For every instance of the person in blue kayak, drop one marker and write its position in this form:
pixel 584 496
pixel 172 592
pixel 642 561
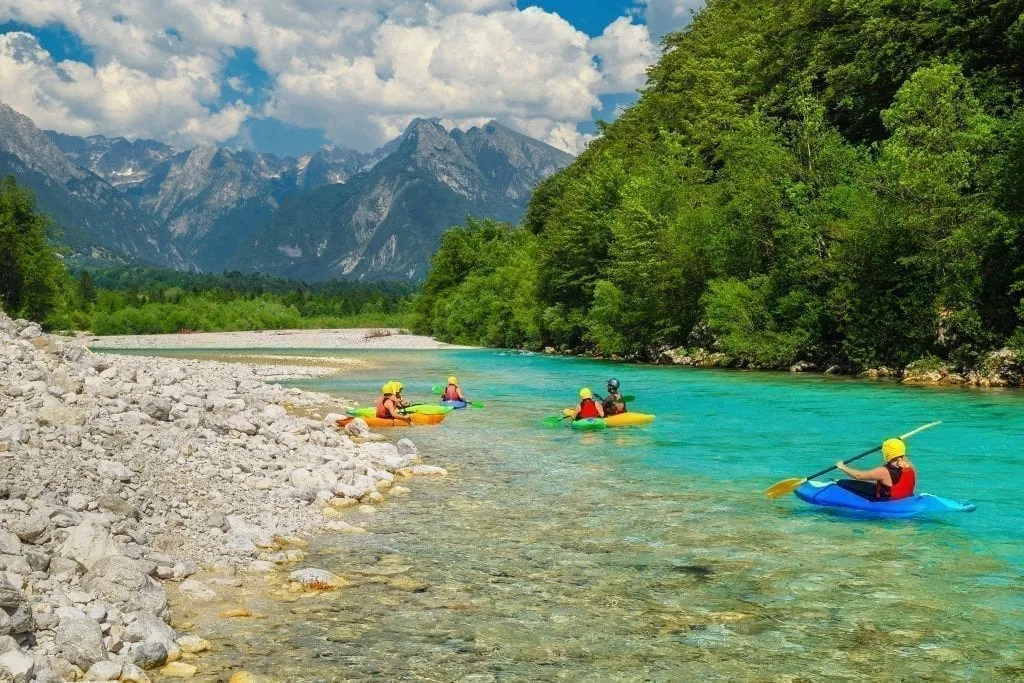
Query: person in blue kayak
pixel 452 392
pixel 894 480
pixel 588 407
pixel 387 407
pixel 612 403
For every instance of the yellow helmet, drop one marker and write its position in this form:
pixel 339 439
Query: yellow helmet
pixel 387 389
pixel 396 386
pixel 586 393
pixel 893 448
pixel 453 380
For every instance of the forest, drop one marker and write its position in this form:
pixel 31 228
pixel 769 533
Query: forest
pixel 838 182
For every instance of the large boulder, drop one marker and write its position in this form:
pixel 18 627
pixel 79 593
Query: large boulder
pixel 87 544
pixel 11 598
pixel 146 628
pixel 32 529
pixel 80 641
pixel 9 543
pixel 109 469
pixel 16 666
pixel 157 407
pixel 123 582
pixel 58 416
pixel 119 506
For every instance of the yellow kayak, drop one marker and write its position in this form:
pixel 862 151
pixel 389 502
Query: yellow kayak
pixel 620 420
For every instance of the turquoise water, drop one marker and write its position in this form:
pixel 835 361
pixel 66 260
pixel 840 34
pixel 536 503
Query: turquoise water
pixel 651 553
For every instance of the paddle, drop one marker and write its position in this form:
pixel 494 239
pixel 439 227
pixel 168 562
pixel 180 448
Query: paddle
pixel 440 390
pixel 789 485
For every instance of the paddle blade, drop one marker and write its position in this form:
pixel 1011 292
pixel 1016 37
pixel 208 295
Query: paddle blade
pixel 437 390
pixel 552 421
pixel 628 399
pixel 783 487
pixel 477 404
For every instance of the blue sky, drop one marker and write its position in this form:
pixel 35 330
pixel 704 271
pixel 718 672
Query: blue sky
pixel 286 76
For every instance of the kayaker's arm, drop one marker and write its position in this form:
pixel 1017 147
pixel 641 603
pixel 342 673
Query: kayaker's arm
pixel 877 474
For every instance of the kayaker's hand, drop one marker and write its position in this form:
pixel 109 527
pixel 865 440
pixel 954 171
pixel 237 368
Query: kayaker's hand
pixel 841 466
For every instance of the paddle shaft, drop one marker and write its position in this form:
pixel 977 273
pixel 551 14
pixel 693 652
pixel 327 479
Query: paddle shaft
pixel 846 462
pixel 875 449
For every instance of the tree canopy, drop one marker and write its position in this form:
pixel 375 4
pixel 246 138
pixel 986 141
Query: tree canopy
pixel 835 182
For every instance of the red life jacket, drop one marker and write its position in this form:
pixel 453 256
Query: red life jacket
pixel 451 393
pixel 383 408
pixel 903 482
pixel 588 408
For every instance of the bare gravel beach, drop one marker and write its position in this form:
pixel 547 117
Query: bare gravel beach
pixel 273 339
pixel 126 481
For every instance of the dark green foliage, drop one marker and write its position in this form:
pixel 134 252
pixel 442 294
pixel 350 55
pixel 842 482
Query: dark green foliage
pixel 838 182
pixel 31 272
pixel 482 287
pixel 151 300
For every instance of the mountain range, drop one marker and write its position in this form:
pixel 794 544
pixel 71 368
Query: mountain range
pixel 335 213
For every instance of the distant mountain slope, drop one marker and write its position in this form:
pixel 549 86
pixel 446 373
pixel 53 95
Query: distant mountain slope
pixel 210 199
pixel 387 222
pixel 89 212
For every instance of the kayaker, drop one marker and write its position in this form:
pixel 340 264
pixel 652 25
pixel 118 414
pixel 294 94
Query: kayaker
pixel 387 407
pixel 894 480
pixel 452 392
pixel 612 403
pixel 588 407
pixel 400 402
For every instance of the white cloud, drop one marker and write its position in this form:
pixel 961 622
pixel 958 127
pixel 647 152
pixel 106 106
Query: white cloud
pixel 663 16
pixel 360 69
pixel 114 99
pixel 625 50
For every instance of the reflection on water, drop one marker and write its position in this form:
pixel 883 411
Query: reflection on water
pixel 651 554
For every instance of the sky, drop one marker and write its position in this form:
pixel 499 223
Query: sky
pixel 286 76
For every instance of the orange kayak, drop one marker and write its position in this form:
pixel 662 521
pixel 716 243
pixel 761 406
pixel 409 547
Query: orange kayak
pixel 413 419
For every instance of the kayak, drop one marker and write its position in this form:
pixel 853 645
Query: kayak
pixel 831 495
pixel 422 409
pixel 413 419
pixel 620 420
pixel 454 405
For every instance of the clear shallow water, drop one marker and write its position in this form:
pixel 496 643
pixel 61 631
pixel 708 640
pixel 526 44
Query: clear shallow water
pixel 651 553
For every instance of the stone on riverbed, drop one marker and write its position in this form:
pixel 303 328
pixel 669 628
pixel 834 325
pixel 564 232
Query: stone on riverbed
pixel 320 579
pixel 149 655
pixel 104 671
pixel 178 670
pixel 194 590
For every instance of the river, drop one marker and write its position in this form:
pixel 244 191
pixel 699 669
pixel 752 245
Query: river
pixel 652 553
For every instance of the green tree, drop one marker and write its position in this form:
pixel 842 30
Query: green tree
pixel 31 273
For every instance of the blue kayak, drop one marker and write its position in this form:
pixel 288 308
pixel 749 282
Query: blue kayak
pixel 830 495
pixel 457 405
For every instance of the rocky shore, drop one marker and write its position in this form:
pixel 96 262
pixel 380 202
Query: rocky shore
pixel 122 476
pixel 1000 368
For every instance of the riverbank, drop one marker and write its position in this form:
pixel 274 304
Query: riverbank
pixel 121 477
pixel 1002 368
pixel 369 338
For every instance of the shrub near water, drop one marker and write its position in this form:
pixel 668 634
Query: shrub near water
pixel 194 314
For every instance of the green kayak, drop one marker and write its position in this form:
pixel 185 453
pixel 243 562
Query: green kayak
pixel 422 409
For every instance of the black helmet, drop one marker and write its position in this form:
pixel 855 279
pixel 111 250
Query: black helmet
pixel 613 383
